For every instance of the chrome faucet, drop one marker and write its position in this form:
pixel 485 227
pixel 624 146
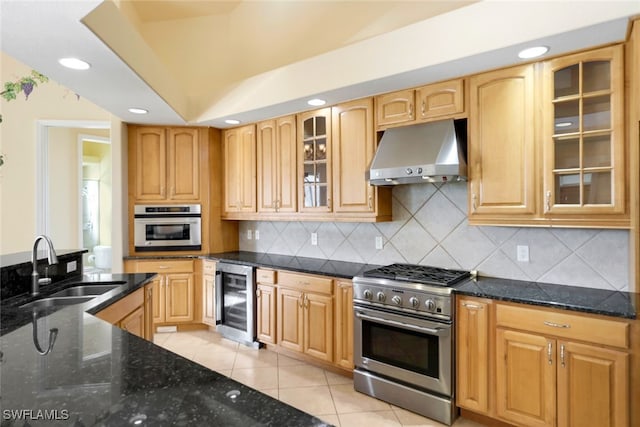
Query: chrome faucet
pixel 53 259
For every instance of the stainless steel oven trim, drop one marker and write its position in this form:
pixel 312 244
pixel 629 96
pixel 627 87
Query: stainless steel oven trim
pixel 140 237
pixel 444 332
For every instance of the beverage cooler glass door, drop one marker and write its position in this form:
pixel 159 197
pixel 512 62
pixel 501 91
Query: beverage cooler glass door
pixel 235 290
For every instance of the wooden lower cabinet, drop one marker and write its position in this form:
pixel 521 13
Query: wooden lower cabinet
pixel 304 309
pixel 173 289
pixel 472 354
pixel 266 313
pixel 129 313
pixel 344 324
pixel 525 382
pixel 209 292
pixel 533 367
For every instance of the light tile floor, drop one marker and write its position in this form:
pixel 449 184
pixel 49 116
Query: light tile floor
pixel 322 393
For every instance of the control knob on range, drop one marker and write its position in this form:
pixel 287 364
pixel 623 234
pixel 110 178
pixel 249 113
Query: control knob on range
pixel 367 294
pixel 381 296
pixel 430 304
pixel 415 302
pixel 397 300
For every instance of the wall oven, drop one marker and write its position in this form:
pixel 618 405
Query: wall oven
pixel 167 228
pixel 403 338
pixel 235 302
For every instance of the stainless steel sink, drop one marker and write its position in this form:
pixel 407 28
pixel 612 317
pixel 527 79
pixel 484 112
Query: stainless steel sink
pixel 56 302
pixel 84 290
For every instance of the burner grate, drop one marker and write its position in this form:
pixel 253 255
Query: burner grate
pixel 419 274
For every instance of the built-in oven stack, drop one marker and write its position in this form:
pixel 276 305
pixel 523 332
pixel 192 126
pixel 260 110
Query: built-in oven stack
pixel 403 337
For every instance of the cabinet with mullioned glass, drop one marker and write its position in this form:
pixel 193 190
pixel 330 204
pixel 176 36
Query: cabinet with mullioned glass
pixel 314 158
pixel 583 150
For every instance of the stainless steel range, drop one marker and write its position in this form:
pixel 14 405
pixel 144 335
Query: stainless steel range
pixel 403 337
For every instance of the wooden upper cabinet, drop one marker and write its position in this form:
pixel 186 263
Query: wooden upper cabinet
pixel 277 165
pixel 584 134
pixel 150 149
pixel 353 147
pixel 431 102
pixel 440 100
pixel 502 130
pixel 395 108
pixel 314 161
pixel 184 164
pixel 239 152
pixel 167 164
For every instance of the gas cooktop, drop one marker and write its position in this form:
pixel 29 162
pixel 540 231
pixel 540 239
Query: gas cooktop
pixel 419 274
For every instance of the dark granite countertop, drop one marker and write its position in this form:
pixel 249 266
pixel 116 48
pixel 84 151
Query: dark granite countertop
pixel 596 301
pixel 588 300
pixel 100 375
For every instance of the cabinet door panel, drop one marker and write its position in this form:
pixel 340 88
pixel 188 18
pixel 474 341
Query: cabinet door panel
pixel 318 321
pixel 287 171
pixel 344 324
pixel 232 178
pixel 501 143
pixel 593 385
pixel 394 108
pixel 440 99
pixel 179 298
pixel 473 355
pixel 247 169
pixel 158 301
pixel 184 164
pixel 267 166
pixel 209 300
pixel 525 378
pixel 290 319
pixel 134 322
pixel 354 145
pixel 151 163
pixel 266 314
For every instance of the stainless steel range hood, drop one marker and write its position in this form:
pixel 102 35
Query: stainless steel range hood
pixel 430 152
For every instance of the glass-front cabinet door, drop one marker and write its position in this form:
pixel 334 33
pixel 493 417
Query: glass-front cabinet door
pixel 314 158
pixel 584 133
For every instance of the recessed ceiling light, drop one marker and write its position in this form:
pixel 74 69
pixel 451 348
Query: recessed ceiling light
pixel 533 52
pixel 232 122
pixel 138 111
pixel 316 102
pixel 74 63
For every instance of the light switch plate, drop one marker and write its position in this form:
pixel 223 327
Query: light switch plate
pixel 256 235
pixel 249 235
pixel 314 239
pixel 522 253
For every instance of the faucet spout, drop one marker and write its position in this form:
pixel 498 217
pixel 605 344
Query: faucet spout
pixel 52 258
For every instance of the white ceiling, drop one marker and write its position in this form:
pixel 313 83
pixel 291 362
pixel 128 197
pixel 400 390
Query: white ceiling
pixel 133 67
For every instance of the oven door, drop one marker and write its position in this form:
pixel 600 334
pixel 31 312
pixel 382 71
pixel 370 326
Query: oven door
pixel 404 348
pixel 167 233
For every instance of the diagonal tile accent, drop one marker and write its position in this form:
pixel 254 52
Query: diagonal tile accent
pixel 413 242
pixel 400 217
pixel 573 238
pixel 388 255
pixel 346 252
pixel 329 239
pixel 346 228
pixel 499 235
pixel 413 196
pixel 439 216
pixel 500 265
pixel 438 257
pixel 607 249
pixel 545 251
pixel 574 271
pixel 295 236
pixel 363 240
pixel 468 246
pixel 457 193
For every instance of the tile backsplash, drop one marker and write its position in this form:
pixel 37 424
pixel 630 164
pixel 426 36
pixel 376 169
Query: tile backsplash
pixel 430 227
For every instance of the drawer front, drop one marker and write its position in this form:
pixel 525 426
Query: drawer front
pixel 265 276
pixel 305 282
pixel 208 267
pixel 165 266
pixel 566 325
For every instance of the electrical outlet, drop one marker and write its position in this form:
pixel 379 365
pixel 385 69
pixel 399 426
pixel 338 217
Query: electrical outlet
pixel 378 242
pixel 249 235
pixel 256 235
pixel 522 253
pixel 72 266
pixel 314 239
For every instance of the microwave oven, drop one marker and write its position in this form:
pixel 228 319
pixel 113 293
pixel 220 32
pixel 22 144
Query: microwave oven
pixel 167 228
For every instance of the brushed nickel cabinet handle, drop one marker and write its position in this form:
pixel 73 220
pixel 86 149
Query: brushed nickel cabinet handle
pixel 549 352
pixel 556 325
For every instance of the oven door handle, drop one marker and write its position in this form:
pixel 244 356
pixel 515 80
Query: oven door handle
pixel 431 331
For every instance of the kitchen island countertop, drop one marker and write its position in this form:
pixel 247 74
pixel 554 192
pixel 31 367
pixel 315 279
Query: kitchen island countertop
pixel 98 374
